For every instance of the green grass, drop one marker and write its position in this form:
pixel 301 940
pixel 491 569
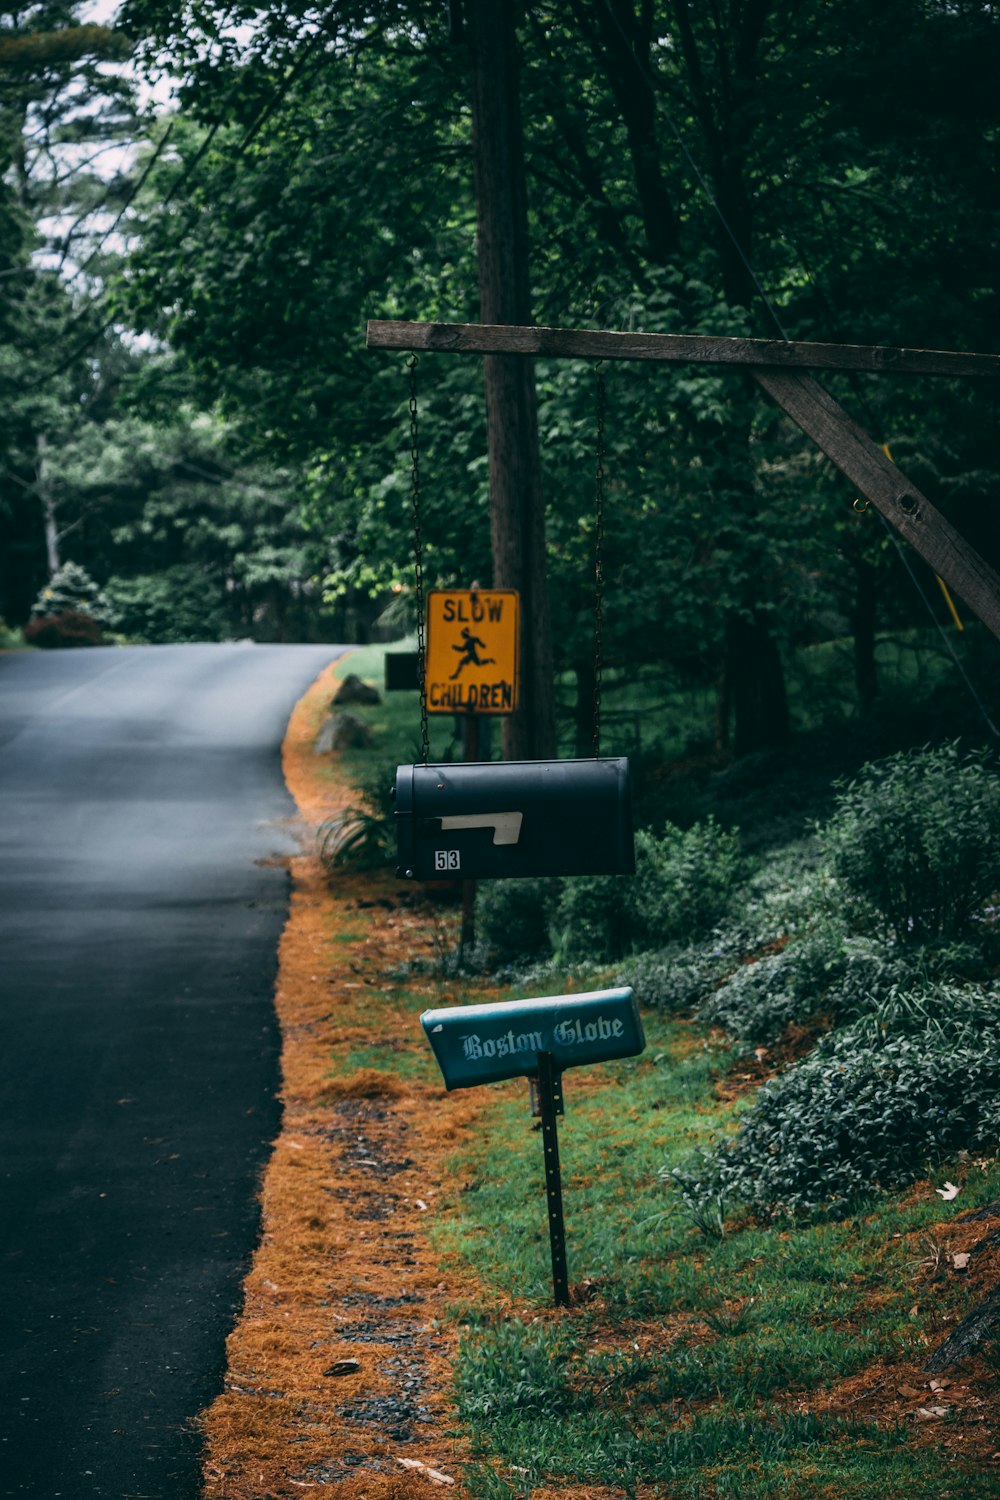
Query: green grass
pixel 695 1365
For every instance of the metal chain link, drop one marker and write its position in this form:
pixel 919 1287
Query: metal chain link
pixel 599 475
pixel 418 558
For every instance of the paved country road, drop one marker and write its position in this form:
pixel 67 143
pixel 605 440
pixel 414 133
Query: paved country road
pixel 140 799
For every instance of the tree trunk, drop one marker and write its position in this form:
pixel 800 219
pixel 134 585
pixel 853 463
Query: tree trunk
pixel 863 626
pixel 754 686
pixel 48 505
pixel 517 512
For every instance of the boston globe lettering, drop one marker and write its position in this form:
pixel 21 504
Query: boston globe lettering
pixel 487 1043
pixel 568 1033
pixel 474 1046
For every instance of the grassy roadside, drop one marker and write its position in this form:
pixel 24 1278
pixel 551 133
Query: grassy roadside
pixel 782 1361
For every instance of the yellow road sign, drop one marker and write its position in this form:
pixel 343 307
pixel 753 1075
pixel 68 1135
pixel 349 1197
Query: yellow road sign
pixel 473 651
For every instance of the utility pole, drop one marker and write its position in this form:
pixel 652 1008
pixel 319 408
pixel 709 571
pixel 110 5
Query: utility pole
pixel 517 508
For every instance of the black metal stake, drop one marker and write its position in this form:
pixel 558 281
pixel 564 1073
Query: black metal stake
pixel 550 1094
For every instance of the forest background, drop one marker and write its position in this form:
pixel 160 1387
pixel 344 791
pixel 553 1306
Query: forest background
pixel 192 417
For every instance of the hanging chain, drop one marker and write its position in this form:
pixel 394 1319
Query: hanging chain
pixel 418 558
pixel 602 409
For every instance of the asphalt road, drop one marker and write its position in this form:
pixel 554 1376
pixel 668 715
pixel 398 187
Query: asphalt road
pixel 141 799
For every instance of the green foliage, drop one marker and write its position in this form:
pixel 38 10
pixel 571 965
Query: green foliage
pixel 10 640
pixel 182 603
pixel 871 1108
pixel 73 589
pixel 915 843
pixel 678 977
pixel 727 1324
pixel 594 919
pixel 684 883
pixel 513 917
pixel 362 836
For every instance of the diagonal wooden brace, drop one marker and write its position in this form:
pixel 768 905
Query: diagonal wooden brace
pixel 879 480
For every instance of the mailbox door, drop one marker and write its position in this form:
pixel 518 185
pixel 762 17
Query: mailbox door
pixel 490 820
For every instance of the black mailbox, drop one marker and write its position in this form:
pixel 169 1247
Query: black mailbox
pixel 491 819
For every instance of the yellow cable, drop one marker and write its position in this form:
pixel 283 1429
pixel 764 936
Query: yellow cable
pixel 944 587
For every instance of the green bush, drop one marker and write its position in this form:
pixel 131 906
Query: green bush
pixel 594 919
pixel 679 977
pixel 915 843
pixel 363 836
pixel 10 640
pixel 822 973
pixel 873 1107
pixel 513 917
pixel 685 881
pixel 72 591
pixel 183 603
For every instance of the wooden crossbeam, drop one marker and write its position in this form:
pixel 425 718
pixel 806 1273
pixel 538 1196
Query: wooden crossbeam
pixel 680 348
pixel 778 368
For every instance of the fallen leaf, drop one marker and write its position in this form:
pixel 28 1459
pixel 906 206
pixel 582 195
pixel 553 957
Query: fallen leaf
pixel 930 1413
pixel 344 1367
pixel 434 1475
pixel 948 1192
pixel 961 1259
pixel 940 1385
pixel 909 1391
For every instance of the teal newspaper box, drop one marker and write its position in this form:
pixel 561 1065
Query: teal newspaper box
pixel 487 1043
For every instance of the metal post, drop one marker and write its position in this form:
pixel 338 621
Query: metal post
pixel 549 1089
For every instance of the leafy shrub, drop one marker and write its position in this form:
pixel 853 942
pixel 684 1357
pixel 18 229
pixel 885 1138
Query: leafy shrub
pixel 72 591
pixel 183 603
pixel 513 917
pixel 677 978
pixel 823 972
pixel 760 998
pixel 684 883
pixel 67 628
pixel 363 836
pixel 915 843
pixel 594 919
pixel 871 1107
pixel 10 640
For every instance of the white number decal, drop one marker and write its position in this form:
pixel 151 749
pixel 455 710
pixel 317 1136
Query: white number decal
pixel 446 859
